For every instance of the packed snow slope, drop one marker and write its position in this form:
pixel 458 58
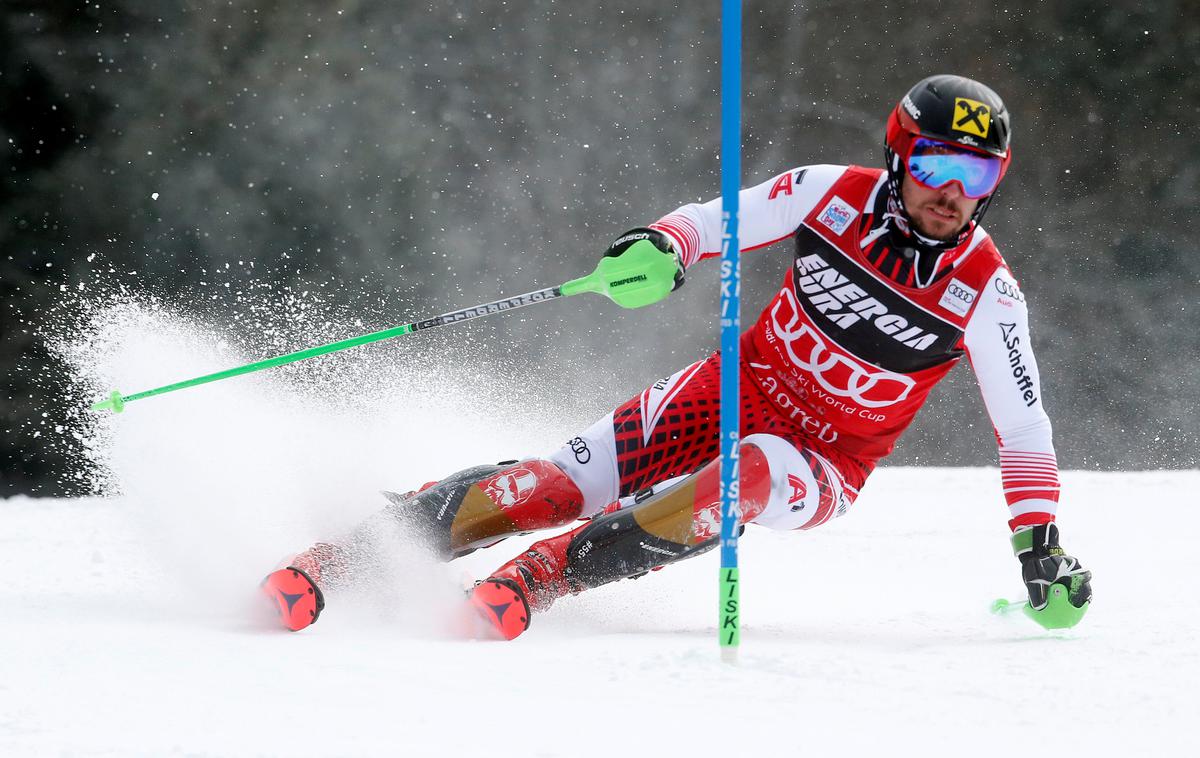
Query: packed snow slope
pixel 130 622
pixel 869 635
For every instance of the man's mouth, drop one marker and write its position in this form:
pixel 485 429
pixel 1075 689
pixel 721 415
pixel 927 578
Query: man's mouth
pixel 946 214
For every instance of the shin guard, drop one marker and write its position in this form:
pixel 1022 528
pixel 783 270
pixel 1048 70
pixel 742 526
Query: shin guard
pixel 678 523
pixel 665 527
pixel 483 505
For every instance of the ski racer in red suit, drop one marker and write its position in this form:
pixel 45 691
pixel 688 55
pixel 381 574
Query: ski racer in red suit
pixel 891 282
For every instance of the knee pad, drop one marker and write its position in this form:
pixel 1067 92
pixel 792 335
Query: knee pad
pixel 681 521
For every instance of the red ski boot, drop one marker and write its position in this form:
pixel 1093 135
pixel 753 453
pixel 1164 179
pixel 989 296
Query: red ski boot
pixel 529 583
pixel 296 596
pixel 502 604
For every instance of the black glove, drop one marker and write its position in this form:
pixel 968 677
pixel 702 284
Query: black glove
pixel 1044 564
pixel 656 238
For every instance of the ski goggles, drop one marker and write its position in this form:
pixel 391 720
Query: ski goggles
pixel 935 164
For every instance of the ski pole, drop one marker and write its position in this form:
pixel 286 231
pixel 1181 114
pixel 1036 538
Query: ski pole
pixel 640 276
pixel 1003 606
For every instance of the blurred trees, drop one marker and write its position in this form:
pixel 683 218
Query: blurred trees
pixel 448 153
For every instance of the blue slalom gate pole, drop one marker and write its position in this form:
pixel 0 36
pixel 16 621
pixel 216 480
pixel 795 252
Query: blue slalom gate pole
pixel 731 321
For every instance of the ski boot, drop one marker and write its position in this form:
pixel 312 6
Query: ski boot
pixel 530 583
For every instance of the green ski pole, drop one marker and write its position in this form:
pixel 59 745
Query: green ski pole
pixel 640 276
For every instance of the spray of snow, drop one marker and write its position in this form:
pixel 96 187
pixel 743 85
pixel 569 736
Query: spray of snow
pixel 226 479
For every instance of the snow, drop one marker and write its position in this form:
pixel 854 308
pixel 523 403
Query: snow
pixel 125 633
pixel 130 624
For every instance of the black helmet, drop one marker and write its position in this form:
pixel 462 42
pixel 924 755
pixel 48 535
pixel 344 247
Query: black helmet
pixel 952 109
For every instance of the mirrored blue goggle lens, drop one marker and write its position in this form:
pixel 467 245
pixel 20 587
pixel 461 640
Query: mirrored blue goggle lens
pixel 936 164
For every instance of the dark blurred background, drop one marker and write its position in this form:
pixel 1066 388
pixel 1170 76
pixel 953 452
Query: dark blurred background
pixel 444 154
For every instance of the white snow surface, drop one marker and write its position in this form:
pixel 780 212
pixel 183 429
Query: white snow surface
pixel 870 635
pixel 130 625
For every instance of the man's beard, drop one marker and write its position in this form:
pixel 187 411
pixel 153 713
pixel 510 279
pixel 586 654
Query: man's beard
pixel 948 236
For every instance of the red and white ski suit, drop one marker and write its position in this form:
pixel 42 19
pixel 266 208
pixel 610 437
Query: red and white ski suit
pixel 839 362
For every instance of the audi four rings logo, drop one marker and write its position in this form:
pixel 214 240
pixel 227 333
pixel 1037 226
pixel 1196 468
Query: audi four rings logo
pixel 580 448
pixel 962 293
pixel 837 373
pixel 1008 289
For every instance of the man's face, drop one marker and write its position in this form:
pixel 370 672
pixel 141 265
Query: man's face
pixel 939 214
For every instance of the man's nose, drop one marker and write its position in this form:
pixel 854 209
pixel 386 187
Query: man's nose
pixel 951 190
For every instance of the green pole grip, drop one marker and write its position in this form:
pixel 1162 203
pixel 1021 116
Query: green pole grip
pixel 1057 613
pixel 640 276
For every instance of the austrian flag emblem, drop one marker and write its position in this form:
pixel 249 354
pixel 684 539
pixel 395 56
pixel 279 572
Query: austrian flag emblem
pixel 837 215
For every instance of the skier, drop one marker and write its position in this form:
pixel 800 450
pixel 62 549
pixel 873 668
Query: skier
pixel 892 281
